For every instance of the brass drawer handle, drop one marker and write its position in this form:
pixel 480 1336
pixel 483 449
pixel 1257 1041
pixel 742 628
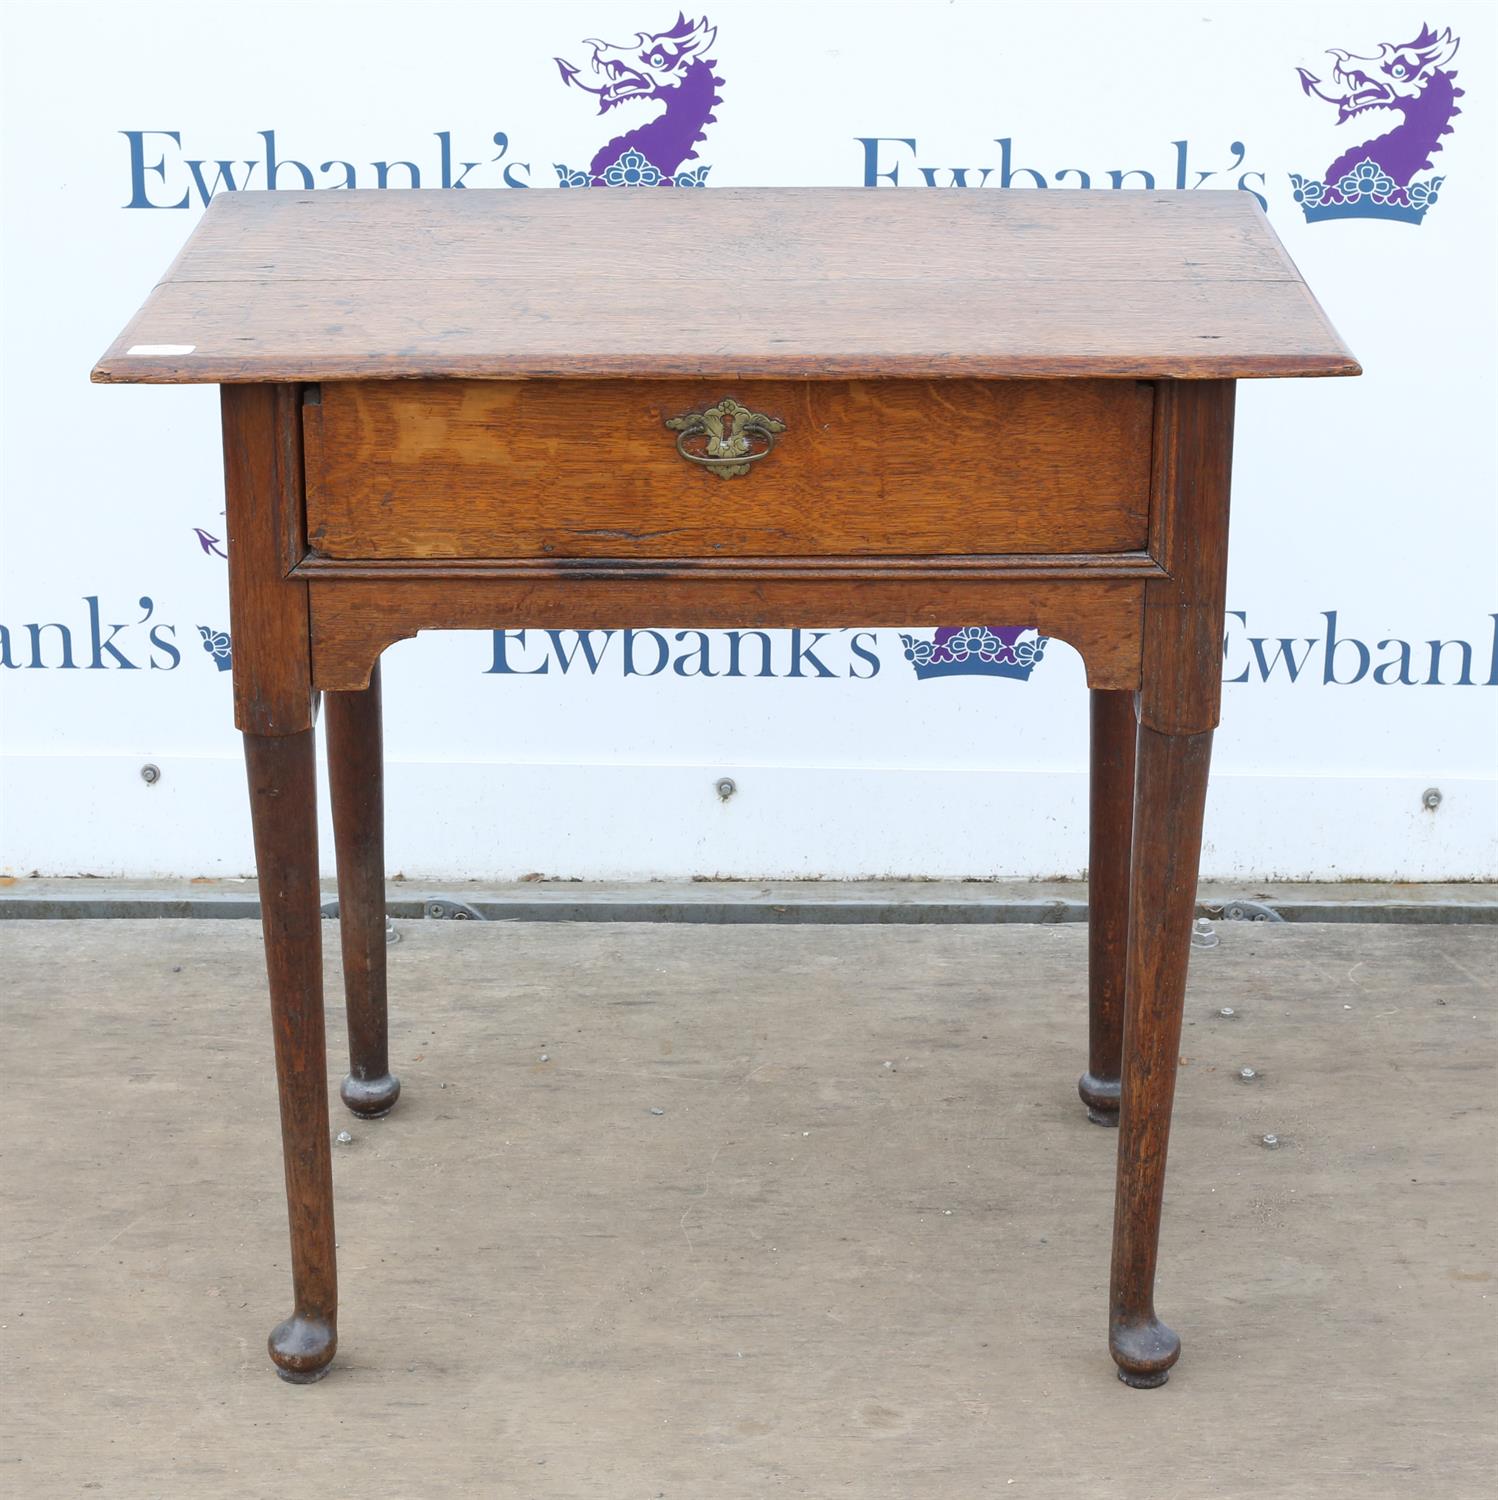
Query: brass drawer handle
pixel 728 427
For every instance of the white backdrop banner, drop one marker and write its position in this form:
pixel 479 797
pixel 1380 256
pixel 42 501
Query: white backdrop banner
pixel 1360 648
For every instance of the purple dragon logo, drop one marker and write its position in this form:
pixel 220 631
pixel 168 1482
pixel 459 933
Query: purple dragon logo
pixel 1377 180
pixel 667 72
pixel 976 651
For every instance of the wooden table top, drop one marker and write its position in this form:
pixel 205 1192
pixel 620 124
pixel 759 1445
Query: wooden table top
pixel 818 283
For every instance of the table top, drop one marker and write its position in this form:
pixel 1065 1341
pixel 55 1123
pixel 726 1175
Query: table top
pixel 818 283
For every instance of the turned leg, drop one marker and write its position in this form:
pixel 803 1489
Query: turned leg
pixel 356 783
pixel 1170 793
pixel 283 805
pixel 1111 840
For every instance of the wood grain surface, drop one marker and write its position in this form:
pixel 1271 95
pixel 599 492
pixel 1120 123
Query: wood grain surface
pixel 1184 610
pixel 354 619
pixel 263 463
pixel 875 236
pixel 356 792
pixel 1170 794
pixel 1114 730
pixel 735 282
pixel 559 469
pixel 282 774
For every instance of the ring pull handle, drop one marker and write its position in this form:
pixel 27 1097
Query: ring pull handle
pixel 729 428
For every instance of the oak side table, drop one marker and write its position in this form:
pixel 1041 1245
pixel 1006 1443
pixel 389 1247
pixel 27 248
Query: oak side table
pixel 730 408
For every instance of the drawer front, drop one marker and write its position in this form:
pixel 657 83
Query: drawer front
pixel 580 469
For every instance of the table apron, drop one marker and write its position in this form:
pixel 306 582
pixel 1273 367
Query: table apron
pixel 353 619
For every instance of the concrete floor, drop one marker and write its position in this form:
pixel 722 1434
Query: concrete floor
pixel 814 1274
